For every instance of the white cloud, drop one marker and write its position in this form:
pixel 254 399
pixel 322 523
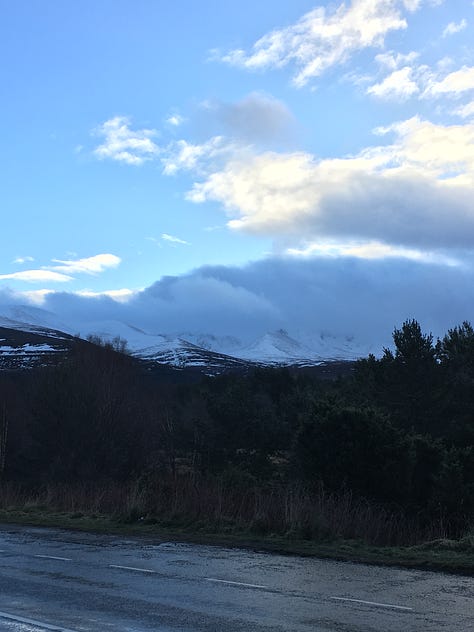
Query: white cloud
pixel 174 240
pixel 175 120
pixel 454 27
pixel 370 250
pixel 22 260
pixel 88 265
pixel 445 63
pixel 123 295
pixel 123 144
pixel 211 229
pixel 323 38
pixel 182 155
pixel 465 111
pixel 398 85
pixel 455 83
pixel 403 82
pixel 37 297
pixel 260 187
pixel 62 271
pixel 441 152
pixel 393 60
pixel 37 276
pixel 414 192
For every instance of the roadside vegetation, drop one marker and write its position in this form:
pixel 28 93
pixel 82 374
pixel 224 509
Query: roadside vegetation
pixel 374 466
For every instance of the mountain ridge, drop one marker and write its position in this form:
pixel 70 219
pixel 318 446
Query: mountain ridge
pixel 37 335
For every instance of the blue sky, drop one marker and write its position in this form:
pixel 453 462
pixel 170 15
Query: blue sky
pixel 149 139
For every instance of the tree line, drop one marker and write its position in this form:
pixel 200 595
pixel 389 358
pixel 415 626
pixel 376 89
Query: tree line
pixel 398 431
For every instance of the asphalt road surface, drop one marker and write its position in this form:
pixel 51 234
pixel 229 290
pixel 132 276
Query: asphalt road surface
pixel 68 581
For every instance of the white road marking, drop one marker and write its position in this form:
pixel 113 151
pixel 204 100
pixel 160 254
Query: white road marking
pixel 371 603
pixel 132 568
pixel 39 624
pixel 227 581
pixel 53 557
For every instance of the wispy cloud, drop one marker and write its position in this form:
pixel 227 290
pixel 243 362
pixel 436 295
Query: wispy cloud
pixel 22 260
pixel 465 111
pixel 37 276
pixel 62 271
pixel 174 240
pixel 124 144
pixel 211 229
pixel 325 38
pixel 123 295
pixel 402 80
pixel 370 250
pixel 392 60
pixel 175 120
pixel 88 265
pixel 424 82
pixel 399 85
pixel 453 84
pixel 454 27
pixel 186 156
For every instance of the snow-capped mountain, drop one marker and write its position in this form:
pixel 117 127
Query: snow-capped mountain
pixel 35 333
pixel 25 345
pixel 273 348
pixel 191 349
pixel 181 353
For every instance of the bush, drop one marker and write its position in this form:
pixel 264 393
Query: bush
pixel 357 449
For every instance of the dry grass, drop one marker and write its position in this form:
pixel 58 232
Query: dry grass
pixel 284 510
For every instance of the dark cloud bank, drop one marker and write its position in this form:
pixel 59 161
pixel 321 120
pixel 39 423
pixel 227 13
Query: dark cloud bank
pixel 340 296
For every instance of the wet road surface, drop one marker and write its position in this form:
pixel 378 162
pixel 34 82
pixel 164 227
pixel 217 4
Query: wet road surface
pixel 72 582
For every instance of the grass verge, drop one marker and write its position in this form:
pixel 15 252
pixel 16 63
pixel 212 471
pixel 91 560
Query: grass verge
pixel 450 556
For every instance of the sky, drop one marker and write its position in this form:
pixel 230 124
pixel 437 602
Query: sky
pixel 239 166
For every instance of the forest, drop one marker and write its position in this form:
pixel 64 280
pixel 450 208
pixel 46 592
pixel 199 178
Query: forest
pixel 384 453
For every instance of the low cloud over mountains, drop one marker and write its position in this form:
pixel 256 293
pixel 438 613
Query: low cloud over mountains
pixel 341 296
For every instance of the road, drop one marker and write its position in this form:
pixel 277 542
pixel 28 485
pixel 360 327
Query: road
pixel 71 582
